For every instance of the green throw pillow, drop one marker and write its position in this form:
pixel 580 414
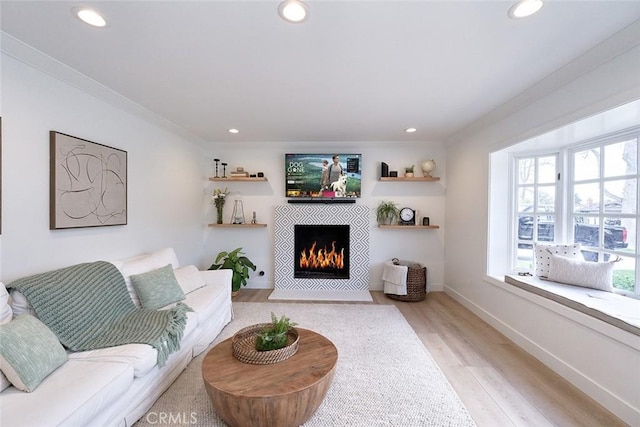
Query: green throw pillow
pixel 157 288
pixel 29 352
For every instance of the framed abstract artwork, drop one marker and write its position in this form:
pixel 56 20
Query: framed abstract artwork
pixel 88 183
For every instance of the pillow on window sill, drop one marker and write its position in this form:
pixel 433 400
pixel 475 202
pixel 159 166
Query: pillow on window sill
pixel 157 288
pixel 543 256
pixel 587 274
pixel 29 353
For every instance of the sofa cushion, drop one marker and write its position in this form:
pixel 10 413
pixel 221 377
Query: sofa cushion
pixel 72 395
pixel 189 278
pixel 205 301
pixel 5 309
pixel 157 288
pixel 142 357
pixel 20 305
pixel 143 264
pixel 543 252
pixel 4 382
pixel 29 352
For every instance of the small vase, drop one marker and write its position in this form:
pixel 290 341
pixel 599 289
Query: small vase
pixel 219 211
pixel 408 174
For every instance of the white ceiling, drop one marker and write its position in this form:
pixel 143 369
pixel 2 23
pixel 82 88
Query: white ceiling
pixel 355 71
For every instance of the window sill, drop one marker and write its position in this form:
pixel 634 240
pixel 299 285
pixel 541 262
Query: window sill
pixel 616 310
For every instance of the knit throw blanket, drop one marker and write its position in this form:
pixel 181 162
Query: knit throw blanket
pixel 88 307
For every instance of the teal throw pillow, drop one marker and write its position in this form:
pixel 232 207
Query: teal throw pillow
pixel 157 288
pixel 29 352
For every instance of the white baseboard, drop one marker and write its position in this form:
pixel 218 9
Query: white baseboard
pixel 320 295
pixel 596 391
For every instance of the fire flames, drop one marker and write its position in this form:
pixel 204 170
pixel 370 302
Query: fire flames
pixel 323 258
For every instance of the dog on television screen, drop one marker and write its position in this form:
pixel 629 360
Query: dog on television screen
pixel 340 186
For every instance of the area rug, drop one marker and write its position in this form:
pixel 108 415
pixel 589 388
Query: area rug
pixel 384 377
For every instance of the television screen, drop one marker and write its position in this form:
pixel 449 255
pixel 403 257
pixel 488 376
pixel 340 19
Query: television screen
pixel 334 175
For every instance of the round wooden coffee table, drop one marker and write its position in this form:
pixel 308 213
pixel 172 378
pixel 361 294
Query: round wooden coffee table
pixel 282 394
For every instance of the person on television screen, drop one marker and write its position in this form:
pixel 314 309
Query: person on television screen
pixel 324 181
pixel 335 169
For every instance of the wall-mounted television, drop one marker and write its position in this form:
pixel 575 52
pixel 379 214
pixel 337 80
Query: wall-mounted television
pixel 332 176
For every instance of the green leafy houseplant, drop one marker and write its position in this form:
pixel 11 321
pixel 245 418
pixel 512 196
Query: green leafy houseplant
pixel 387 212
pixel 235 261
pixel 409 169
pixel 274 336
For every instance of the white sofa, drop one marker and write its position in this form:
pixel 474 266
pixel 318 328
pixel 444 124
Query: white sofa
pixel 116 386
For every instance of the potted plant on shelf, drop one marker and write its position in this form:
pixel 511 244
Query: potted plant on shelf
pixel 387 212
pixel 274 335
pixel 238 263
pixel 408 172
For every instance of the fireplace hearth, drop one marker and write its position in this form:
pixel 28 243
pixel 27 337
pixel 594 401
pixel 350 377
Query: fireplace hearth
pixel 321 251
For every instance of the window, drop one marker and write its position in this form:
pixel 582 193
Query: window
pixel 604 211
pixel 600 211
pixel 535 206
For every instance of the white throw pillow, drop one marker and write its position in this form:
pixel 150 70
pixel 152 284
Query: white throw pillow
pixel 543 257
pixel 145 264
pixel 595 275
pixel 5 309
pixel 189 278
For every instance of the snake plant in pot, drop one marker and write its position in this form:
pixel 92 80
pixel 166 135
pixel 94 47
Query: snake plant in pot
pixel 238 263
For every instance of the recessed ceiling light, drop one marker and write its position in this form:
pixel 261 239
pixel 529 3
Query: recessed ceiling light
pixel 294 11
pixel 234 130
pixel 410 130
pixel 89 16
pixel 524 8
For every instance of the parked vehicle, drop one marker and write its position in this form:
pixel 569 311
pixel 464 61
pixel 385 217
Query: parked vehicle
pixel 615 235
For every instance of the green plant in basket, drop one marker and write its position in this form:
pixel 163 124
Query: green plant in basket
pixel 274 336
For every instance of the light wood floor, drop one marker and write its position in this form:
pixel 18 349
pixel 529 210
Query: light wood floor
pixel 499 383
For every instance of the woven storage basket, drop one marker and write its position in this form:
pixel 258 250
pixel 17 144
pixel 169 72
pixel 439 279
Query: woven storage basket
pixel 244 346
pixel 416 284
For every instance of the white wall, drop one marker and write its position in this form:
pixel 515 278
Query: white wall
pixel 165 175
pixel 424 246
pixel 599 359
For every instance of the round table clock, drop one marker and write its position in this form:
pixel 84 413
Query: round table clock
pixel 407 216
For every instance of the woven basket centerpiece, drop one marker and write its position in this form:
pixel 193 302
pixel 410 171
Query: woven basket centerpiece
pixel 244 346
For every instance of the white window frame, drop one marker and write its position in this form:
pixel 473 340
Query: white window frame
pixel 564 230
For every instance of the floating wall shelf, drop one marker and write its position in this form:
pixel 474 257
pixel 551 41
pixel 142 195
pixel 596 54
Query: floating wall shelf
pixel 238 225
pixel 410 227
pixel 415 178
pixel 250 179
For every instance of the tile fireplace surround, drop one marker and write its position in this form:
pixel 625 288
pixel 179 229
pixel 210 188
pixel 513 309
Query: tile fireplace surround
pixel 356 288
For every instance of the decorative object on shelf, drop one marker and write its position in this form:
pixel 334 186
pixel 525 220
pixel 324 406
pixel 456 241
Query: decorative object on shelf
pixel 239 173
pixel 217 161
pixel 238 263
pixel 224 170
pixel 274 335
pixel 243 345
pixel 408 171
pixel 253 219
pixel 393 174
pixel 260 174
pixel 384 169
pixel 425 220
pixel 238 213
pixel 219 197
pixel 407 216
pixel 428 166
pixel 387 212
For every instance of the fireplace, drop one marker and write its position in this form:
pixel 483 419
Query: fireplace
pixel 289 287
pixel 321 251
